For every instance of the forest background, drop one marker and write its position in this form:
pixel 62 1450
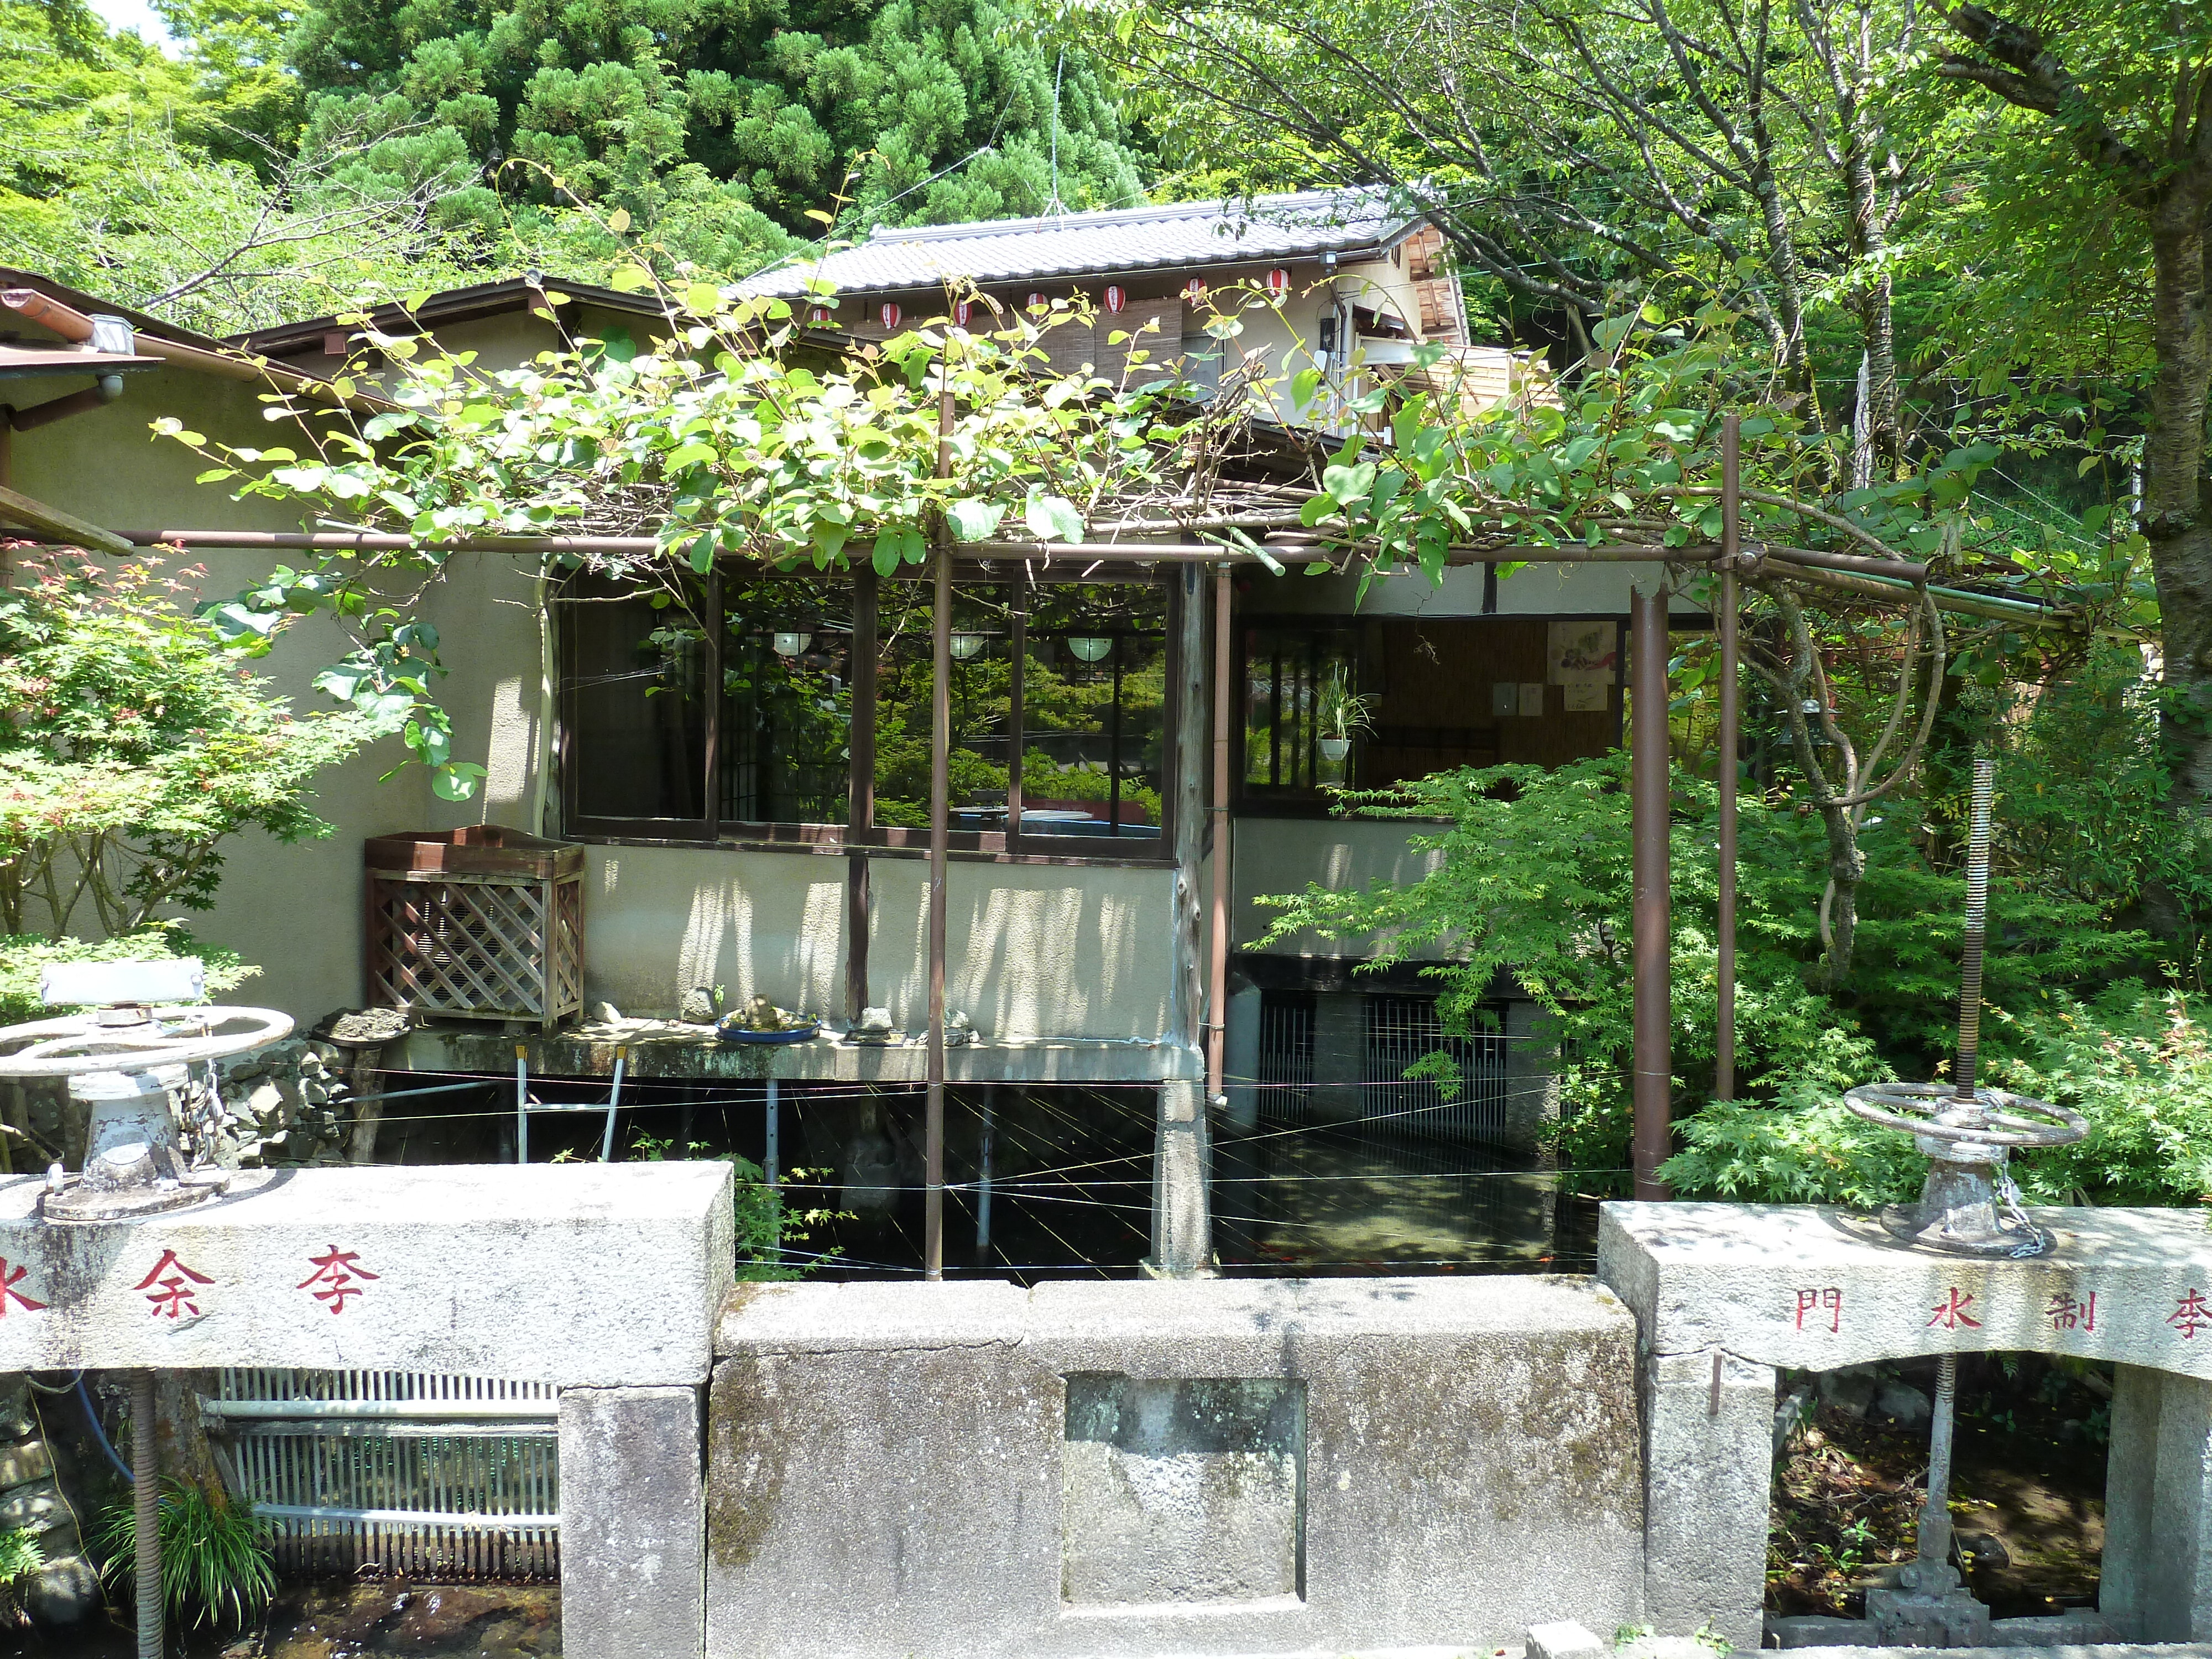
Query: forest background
pixel 1967 248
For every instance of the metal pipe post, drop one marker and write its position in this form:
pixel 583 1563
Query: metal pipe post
pixel 1964 1071
pixel 771 1153
pixel 614 1105
pixel 1653 1091
pixel 983 1181
pixel 1217 980
pixel 1729 745
pixel 146 1512
pixel 521 1103
pixel 1936 1513
pixel 940 761
pixel 860 791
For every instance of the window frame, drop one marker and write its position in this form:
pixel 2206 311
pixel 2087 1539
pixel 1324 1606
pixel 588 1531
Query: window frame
pixel 1010 845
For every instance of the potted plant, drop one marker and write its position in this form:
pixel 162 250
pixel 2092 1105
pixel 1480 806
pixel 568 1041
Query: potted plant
pixel 1338 712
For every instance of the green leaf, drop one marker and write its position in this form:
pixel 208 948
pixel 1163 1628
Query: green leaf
pixel 972 520
pixel 456 781
pixel 1051 518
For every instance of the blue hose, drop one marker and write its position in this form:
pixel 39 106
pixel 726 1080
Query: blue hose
pixel 99 1434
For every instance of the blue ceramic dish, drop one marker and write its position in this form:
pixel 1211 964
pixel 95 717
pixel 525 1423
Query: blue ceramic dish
pixel 730 1030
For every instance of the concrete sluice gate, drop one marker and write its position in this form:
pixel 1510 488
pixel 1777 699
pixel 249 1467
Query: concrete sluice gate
pixel 1116 1469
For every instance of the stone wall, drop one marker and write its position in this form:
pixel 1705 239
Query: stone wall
pixel 1197 1468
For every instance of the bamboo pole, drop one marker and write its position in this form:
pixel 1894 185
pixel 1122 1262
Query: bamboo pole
pixel 1730 741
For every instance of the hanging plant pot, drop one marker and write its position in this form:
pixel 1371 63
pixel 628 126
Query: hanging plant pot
pixel 1335 749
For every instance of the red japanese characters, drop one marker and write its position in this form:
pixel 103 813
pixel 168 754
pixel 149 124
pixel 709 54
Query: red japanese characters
pixel 1951 1312
pixel 337 1276
pixel 10 1278
pixel 1828 1300
pixel 172 1287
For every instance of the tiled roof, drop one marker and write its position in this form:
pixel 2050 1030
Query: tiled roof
pixel 1306 225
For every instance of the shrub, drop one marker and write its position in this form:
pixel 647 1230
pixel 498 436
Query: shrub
pixel 217 1565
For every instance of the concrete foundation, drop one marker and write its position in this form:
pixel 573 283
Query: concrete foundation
pixel 1207 1468
pixel 601 1281
pixel 1723 1294
pixel 632 1544
pixel 1182 1237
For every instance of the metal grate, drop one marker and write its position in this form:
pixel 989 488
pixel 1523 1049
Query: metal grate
pixel 417 1473
pixel 1402 1030
pixel 1286 1056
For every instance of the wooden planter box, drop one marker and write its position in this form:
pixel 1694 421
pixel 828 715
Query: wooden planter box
pixel 481 923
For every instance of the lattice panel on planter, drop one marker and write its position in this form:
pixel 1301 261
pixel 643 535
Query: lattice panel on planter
pixel 481 923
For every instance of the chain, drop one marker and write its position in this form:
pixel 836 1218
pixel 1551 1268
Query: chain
pixel 2015 1219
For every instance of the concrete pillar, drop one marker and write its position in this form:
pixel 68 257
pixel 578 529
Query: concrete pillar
pixel 1240 1061
pixel 1183 1244
pixel 633 1524
pixel 1532 1075
pixel 2155 1583
pixel 1340 1050
pixel 1709 1472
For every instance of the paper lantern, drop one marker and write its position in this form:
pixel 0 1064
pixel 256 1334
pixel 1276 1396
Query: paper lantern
pixel 891 314
pixel 1038 302
pixel 1116 298
pixel 961 311
pixel 818 315
pixel 1193 291
pixel 1279 282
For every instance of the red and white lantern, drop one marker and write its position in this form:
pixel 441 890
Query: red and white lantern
pixel 1193 291
pixel 889 314
pixel 1117 299
pixel 820 316
pixel 1279 282
pixel 961 311
pixel 1038 302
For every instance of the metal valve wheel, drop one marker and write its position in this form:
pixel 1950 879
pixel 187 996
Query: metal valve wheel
pixel 1969 1205
pixel 122 1061
pixel 1994 1121
pixel 165 1037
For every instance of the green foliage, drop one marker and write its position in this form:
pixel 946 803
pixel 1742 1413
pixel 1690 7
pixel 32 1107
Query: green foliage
pixel 217 1566
pixel 681 114
pixel 1533 880
pixel 768 1227
pixel 24 956
pixel 137 746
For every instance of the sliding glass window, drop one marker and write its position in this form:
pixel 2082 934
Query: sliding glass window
pixel 1058 699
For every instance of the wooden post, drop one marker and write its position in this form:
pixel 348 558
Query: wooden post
pixel 940 761
pixel 859 790
pixel 1216 989
pixel 1730 743
pixel 1653 1080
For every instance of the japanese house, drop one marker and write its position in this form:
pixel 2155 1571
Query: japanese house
pixel 751 793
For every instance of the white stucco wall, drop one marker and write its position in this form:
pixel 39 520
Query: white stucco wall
pixel 1284 855
pixel 296 911
pixel 1032 951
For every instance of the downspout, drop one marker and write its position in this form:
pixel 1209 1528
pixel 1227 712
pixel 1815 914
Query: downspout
pixel 1217 986
pixel 1730 741
pixel 1653 1074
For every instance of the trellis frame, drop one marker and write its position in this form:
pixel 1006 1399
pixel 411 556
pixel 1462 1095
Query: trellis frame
pixel 479 923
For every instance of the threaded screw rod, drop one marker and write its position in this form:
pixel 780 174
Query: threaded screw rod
pixel 146 1512
pixel 1977 930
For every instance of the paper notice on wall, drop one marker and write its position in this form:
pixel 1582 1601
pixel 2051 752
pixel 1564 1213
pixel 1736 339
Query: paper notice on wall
pixel 1532 699
pixel 1583 649
pixel 1587 696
